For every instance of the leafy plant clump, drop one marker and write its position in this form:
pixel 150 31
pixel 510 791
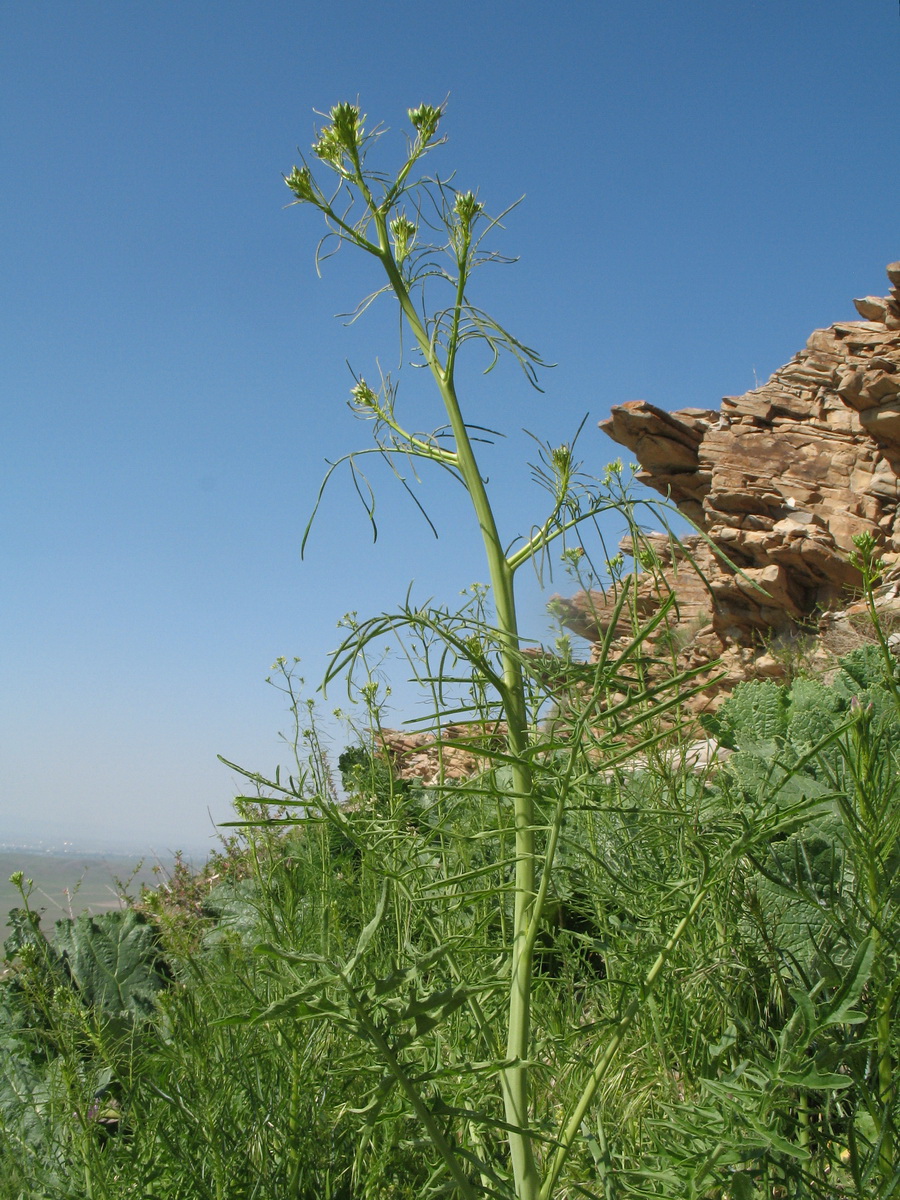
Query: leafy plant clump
pixel 763 1066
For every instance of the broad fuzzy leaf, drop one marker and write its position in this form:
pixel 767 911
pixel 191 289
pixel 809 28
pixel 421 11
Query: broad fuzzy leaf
pixel 114 960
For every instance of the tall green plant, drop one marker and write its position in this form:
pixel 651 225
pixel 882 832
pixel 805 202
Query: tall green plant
pixel 377 221
pixel 422 234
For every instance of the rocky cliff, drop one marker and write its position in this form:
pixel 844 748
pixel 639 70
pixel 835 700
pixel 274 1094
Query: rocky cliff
pixel 780 480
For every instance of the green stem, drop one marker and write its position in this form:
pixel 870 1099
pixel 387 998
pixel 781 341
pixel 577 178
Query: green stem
pixel 422 1111
pixel 803 1116
pixel 294 1121
pixel 885 1065
pixel 515 1078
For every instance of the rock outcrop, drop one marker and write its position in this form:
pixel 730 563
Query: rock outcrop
pixel 780 480
pixel 430 759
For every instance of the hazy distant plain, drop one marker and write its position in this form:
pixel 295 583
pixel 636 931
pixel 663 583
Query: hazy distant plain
pixel 68 884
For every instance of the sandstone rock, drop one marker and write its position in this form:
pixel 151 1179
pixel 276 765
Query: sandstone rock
pixel 456 752
pixel 883 422
pixel 781 480
pixel 871 308
pixel 768 667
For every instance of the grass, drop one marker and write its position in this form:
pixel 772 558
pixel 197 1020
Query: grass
pixel 319 952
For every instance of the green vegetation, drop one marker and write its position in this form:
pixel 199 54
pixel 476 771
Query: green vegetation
pixel 294 1022
pixel 581 969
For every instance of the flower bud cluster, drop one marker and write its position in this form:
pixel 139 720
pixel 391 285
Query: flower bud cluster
pixel 865 557
pixel 301 184
pixel 561 458
pixel 363 395
pixel 403 231
pixel 467 208
pixel 425 121
pixel 341 139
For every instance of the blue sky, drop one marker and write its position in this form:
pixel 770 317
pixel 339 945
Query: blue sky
pixel 705 183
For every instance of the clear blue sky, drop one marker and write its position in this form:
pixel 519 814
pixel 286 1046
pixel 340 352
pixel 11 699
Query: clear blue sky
pixel 705 183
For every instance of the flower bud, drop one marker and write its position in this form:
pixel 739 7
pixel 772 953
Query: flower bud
pixel 467 208
pixel 300 183
pixel 425 120
pixel 403 232
pixel 346 125
pixel 363 396
pixel 561 458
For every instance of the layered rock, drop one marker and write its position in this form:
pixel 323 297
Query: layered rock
pixel 780 480
pixel 431 759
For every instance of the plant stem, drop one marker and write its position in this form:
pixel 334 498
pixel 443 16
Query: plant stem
pixel 422 1111
pixel 515 1077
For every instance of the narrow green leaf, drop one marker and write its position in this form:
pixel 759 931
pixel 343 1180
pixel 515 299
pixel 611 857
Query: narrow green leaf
pixel 813 1078
pixel 851 989
pixel 369 932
